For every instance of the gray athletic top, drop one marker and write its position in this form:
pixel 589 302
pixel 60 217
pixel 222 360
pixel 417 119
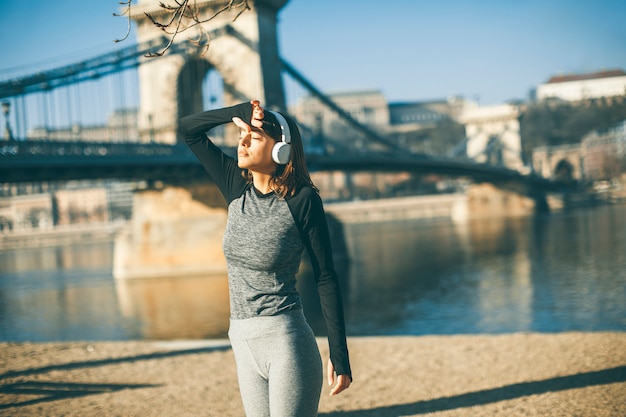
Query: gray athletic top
pixel 263 255
pixel 265 237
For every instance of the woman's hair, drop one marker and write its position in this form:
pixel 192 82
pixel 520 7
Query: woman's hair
pixel 295 174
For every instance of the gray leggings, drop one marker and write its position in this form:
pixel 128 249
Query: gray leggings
pixel 278 365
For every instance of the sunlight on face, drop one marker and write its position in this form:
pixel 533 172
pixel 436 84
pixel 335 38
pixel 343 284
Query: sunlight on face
pixel 254 151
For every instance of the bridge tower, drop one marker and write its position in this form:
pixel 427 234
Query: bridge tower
pixel 493 135
pixel 244 52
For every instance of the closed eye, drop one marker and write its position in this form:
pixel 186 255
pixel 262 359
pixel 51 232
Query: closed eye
pixel 243 134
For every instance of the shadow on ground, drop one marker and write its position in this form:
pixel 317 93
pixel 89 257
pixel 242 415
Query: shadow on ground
pixel 508 392
pixel 46 391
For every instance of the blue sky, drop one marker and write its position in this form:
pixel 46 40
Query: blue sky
pixel 411 50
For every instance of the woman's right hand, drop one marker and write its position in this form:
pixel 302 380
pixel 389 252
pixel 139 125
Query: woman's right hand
pixel 341 382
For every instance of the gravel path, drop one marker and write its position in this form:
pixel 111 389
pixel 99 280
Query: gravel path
pixel 565 374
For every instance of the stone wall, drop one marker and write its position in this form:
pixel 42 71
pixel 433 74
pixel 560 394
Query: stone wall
pixel 170 234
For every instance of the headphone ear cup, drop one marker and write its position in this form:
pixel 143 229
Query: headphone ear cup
pixel 281 152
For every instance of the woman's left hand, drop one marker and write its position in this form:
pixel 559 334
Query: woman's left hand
pixel 243 126
pixel 257 114
pixel 342 381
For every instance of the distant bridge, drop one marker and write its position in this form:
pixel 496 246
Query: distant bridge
pixel 30 161
pixel 142 159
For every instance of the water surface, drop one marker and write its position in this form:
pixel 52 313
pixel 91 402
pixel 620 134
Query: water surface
pixel 561 272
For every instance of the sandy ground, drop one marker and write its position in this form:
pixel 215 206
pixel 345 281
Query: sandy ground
pixel 566 374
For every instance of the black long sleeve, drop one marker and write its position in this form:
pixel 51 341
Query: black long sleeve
pixel 307 209
pixel 222 168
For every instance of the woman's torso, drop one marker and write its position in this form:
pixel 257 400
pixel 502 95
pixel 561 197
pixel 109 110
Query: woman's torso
pixel 263 249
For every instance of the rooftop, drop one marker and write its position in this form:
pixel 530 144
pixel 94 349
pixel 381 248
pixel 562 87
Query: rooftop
pixel 590 76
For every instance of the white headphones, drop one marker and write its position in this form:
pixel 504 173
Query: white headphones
pixel 282 150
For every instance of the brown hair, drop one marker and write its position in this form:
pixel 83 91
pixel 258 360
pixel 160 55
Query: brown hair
pixel 295 174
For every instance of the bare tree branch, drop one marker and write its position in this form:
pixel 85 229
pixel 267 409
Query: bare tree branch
pixel 184 16
pixel 126 12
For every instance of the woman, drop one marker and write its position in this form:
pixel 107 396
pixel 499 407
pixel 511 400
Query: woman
pixel 274 214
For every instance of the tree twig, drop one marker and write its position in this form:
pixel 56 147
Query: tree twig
pixel 183 16
pixel 126 12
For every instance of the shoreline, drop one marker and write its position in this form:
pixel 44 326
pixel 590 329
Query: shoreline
pixel 60 235
pixel 519 374
pixel 430 206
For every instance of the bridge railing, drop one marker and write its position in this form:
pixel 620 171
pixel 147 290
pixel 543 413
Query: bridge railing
pixel 52 161
pixel 28 149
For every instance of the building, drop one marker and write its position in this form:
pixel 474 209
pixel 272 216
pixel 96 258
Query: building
pixel 602 84
pixel 416 115
pixel 26 212
pixel 121 126
pixel 605 153
pixel 81 206
pixel 562 162
pixel 370 108
pixel 367 107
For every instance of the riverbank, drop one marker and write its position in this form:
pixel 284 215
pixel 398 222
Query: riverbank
pixel 565 374
pixel 483 201
pixel 60 235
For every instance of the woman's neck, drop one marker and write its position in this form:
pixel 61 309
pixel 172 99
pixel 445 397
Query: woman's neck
pixel 262 182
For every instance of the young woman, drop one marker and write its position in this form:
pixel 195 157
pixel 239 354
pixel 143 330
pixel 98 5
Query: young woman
pixel 274 214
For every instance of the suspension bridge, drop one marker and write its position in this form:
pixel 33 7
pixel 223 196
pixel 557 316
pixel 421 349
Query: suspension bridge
pixel 54 129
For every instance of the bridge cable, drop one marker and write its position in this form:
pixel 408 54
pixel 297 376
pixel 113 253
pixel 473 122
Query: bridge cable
pixel 342 113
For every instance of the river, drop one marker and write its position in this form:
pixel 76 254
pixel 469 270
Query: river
pixel 565 271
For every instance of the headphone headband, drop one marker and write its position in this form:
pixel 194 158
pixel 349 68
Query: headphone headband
pixel 284 127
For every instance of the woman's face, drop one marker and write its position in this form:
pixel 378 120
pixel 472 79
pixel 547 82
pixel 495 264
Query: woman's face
pixel 254 152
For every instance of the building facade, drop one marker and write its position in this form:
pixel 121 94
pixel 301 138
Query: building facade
pixel 26 212
pixel 81 206
pixel 581 87
pixel 563 162
pixel 367 107
pixel 605 153
pixel 417 115
pixel 121 126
